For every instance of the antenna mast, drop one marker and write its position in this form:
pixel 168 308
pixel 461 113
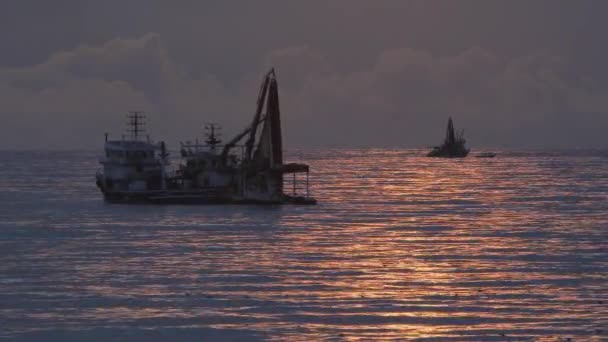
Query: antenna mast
pixel 136 123
pixel 212 135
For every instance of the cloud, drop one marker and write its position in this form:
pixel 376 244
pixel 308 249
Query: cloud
pixel 402 98
pixel 83 92
pixel 142 63
pixel 405 97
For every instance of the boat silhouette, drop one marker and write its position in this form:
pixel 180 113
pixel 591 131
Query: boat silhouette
pixel 453 146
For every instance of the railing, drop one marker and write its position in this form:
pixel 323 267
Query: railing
pixel 295 186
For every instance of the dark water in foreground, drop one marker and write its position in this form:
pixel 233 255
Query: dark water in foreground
pixel 400 247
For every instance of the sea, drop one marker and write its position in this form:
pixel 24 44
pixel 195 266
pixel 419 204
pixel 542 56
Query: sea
pixel 400 247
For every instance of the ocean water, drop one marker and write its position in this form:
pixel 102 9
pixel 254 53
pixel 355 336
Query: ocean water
pixel 400 247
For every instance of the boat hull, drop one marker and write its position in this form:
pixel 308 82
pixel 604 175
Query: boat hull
pixel 195 198
pixel 446 154
pixel 486 155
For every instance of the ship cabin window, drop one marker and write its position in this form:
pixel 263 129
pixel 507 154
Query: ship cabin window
pixel 139 154
pixel 115 154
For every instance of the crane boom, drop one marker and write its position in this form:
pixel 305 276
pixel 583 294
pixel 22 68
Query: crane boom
pixel 257 119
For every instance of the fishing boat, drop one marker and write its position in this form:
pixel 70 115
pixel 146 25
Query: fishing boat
pixel 453 145
pixel 211 172
pixel 486 155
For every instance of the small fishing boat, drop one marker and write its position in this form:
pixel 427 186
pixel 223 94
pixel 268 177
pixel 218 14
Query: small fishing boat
pixel 453 146
pixel 486 155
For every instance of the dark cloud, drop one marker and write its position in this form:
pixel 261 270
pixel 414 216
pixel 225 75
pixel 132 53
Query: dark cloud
pixel 407 94
pixel 352 73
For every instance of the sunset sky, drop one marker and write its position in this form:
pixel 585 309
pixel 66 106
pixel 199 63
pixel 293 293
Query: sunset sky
pixel 352 73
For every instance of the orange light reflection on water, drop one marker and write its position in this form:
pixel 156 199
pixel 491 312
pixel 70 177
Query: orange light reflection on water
pixel 399 246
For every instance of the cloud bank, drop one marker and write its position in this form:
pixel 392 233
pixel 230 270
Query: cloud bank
pixel 402 98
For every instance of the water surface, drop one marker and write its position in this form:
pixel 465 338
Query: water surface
pixel 399 247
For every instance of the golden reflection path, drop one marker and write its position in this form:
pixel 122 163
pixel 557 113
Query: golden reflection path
pixel 400 247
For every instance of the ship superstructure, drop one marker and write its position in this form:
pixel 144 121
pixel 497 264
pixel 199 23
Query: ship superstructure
pixel 132 167
pixel 247 169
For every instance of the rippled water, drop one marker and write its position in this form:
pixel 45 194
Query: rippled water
pixel 400 247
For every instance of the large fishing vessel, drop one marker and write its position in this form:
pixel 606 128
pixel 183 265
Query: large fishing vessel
pixel 453 145
pixel 247 169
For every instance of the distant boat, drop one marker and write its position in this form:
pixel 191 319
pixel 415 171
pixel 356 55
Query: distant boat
pixel 453 145
pixel 486 155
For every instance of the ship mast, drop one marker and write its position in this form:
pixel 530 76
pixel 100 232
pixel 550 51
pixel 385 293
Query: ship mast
pixel 212 137
pixel 450 136
pixel 136 124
